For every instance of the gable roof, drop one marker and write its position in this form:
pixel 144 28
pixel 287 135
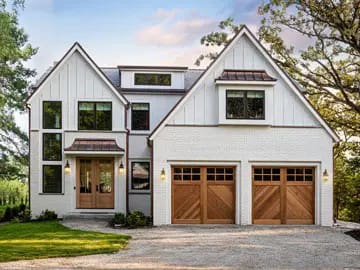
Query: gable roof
pixel 244 30
pixel 76 47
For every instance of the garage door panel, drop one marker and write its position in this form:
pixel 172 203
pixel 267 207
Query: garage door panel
pixel 220 202
pixel 300 203
pixel 186 200
pixel 266 208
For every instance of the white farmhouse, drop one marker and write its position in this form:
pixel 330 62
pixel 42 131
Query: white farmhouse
pixel 235 143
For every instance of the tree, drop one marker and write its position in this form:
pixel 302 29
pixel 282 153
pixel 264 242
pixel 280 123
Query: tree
pixel 329 68
pixel 14 79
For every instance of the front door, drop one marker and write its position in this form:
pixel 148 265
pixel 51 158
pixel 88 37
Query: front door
pixel 95 183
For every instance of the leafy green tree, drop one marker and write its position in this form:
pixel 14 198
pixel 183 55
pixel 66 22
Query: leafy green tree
pixel 14 80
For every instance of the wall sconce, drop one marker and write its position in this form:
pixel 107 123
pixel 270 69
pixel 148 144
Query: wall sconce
pixel 121 168
pixel 162 174
pixel 67 168
pixel 325 175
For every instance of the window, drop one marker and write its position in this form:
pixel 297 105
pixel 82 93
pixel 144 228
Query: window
pixel 186 174
pixel 220 174
pixel 140 175
pixel 266 174
pixel 140 116
pixel 300 174
pixel 245 104
pixel 52 178
pixel 52 146
pixel 95 116
pixel 52 114
pixel 152 79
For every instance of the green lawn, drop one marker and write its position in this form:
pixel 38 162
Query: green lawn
pixel 34 240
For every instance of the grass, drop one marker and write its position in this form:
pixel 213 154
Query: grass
pixel 35 240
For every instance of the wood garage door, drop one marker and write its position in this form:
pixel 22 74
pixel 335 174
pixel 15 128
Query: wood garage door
pixel 203 195
pixel 283 195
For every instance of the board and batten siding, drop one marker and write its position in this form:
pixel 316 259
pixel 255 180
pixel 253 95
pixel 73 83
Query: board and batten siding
pixel 75 80
pixel 202 107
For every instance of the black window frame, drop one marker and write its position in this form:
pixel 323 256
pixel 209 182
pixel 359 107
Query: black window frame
pixel 132 176
pixel 148 117
pixel 149 82
pixel 43 178
pixel 94 110
pixel 43 146
pixel 246 117
pixel 43 113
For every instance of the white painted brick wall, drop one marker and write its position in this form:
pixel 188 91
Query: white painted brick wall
pixel 283 146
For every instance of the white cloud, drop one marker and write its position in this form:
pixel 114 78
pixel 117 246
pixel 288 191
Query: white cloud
pixel 175 31
pixel 164 14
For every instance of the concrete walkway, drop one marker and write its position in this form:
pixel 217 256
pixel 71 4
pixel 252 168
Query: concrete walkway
pixel 215 247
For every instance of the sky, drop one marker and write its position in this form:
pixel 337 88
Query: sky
pixel 122 32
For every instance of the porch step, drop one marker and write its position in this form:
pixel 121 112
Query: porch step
pixel 89 215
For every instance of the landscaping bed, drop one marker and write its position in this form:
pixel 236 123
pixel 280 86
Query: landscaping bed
pixel 46 239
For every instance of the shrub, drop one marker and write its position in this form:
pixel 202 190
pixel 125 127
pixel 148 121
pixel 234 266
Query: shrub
pixel 19 212
pixel 119 218
pixel 136 219
pixel 47 215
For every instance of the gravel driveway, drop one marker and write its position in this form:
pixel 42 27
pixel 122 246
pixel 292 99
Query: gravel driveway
pixel 216 247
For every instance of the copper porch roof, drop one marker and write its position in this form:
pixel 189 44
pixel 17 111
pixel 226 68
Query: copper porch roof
pixel 245 75
pixel 106 145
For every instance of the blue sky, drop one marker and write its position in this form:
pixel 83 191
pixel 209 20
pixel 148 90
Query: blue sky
pixel 138 32
pixel 128 32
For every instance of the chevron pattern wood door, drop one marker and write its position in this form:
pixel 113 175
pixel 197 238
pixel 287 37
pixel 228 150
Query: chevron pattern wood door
pixel 283 195
pixel 203 195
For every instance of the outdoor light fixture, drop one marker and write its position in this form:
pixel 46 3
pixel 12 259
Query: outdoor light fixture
pixel 162 174
pixel 325 175
pixel 121 168
pixel 67 168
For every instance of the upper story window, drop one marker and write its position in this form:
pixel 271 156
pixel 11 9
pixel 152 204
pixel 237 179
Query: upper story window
pixel 52 144
pixel 52 114
pixel 95 116
pixel 245 104
pixel 152 79
pixel 140 116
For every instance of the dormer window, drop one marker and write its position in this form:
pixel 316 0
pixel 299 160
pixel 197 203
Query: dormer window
pixel 152 79
pixel 242 104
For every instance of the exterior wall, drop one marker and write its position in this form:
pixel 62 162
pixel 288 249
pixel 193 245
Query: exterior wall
pixel 128 81
pixel 139 150
pixel 288 109
pixel 74 81
pixel 244 146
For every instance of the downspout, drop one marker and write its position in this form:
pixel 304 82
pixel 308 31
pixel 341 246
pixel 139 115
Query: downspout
pixel 127 159
pixel 150 144
pixel 29 123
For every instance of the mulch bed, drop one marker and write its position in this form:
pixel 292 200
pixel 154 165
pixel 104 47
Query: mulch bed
pixel 354 233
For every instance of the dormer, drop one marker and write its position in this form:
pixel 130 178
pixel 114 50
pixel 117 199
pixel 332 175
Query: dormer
pixel 152 77
pixel 245 97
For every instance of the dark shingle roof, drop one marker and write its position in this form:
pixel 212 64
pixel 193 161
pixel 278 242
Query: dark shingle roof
pixel 108 145
pixel 245 75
